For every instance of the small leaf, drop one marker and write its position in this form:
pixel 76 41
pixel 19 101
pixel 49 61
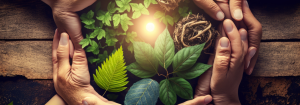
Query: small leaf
pixel 91 26
pixel 176 17
pixel 138 71
pixel 111 41
pixel 164 49
pixel 84 43
pixel 143 92
pixel 111 7
pixel 130 36
pixel 106 18
pixel 130 48
pixel 112 97
pixel 125 21
pixel 183 11
pixel 101 34
pixel 124 5
pixel 170 20
pixel 147 2
pixel 166 93
pixel 96 51
pixel 112 74
pixel 84 19
pixel 182 87
pixel 195 71
pixel 116 18
pixel 145 56
pixel 93 46
pixel 187 57
pixel 138 10
pixel 93 60
pixel 158 14
pixel 90 14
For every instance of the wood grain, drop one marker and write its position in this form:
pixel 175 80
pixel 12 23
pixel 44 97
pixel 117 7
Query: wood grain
pixel 25 19
pixel 278 59
pixel 29 58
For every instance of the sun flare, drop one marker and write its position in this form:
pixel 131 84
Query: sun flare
pixel 150 27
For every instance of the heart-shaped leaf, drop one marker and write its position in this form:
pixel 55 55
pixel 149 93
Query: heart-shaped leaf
pixel 143 92
pixel 187 57
pixel 182 87
pixel 164 49
pixel 138 71
pixel 166 93
pixel 195 71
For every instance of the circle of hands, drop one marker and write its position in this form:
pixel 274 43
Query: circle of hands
pixel 235 52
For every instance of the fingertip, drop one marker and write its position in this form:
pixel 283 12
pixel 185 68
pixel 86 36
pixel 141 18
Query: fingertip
pixel 238 14
pixel 243 34
pixel 220 15
pixel 64 39
pixel 228 25
pixel 207 99
pixel 224 42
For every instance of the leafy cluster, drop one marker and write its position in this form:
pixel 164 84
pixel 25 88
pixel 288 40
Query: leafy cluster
pixel 111 76
pixel 163 54
pixel 104 26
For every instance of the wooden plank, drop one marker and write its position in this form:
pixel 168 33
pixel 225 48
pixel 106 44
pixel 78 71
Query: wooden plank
pixel 29 58
pixel 278 59
pixel 279 19
pixel 23 19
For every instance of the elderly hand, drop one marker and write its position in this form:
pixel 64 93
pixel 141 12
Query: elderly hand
pixel 72 82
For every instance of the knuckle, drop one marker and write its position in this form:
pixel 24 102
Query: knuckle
pixel 54 59
pixel 79 58
pixel 212 5
pixel 237 3
pixel 222 62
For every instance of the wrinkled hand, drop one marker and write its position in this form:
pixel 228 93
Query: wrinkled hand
pixel 202 100
pixel 72 82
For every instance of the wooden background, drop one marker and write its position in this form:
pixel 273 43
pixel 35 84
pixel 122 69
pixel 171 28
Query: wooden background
pixel 27 28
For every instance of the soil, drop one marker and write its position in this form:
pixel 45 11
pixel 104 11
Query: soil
pixel 193 30
pixel 169 4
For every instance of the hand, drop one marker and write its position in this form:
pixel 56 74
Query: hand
pixel 72 83
pixel 67 20
pixel 202 100
pixel 228 65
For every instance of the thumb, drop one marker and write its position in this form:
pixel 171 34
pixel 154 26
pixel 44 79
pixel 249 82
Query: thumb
pixel 93 100
pixel 202 100
pixel 222 59
pixel 63 54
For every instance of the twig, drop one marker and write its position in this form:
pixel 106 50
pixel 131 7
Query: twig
pixel 104 93
pixel 184 27
pixel 201 32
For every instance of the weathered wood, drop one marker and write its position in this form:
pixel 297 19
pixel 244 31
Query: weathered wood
pixel 278 59
pixel 29 58
pixel 23 19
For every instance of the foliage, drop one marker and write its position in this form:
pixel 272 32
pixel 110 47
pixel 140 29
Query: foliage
pixel 183 63
pixel 112 97
pixel 111 76
pixel 11 103
pixel 143 92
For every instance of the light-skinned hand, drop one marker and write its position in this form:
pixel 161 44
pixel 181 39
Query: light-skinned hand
pixel 202 100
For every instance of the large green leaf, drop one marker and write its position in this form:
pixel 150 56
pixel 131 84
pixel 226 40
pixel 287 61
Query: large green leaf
pixel 138 71
pixel 112 76
pixel 87 18
pixel 182 87
pixel 144 56
pixel 143 92
pixel 195 71
pixel 166 93
pixel 164 49
pixel 186 57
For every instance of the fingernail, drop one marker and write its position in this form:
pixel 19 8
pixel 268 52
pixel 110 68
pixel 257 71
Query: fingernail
pixel 238 14
pixel 84 103
pixel 63 39
pixel 224 42
pixel 246 3
pixel 228 26
pixel 252 53
pixel 220 15
pixel 207 99
pixel 244 35
pixel 248 64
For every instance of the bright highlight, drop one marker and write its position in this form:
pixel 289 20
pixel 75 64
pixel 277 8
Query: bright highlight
pixel 150 27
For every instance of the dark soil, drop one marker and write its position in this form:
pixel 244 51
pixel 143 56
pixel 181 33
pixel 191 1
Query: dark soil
pixel 193 25
pixel 169 4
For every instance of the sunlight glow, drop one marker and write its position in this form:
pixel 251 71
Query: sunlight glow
pixel 150 27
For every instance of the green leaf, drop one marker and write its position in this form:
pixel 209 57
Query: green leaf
pixel 164 49
pixel 125 21
pixel 124 5
pixel 166 93
pixel 91 26
pixel 130 48
pixel 176 17
pixel 158 14
pixel 111 7
pixel 147 2
pixel 111 41
pixel 143 92
pixel 11 103
pixel 138 9
pixel 106 18
pixel 130 36
pixel 87 18
pixel 100 12
pixel 116 19
pixel 145 56
pixel 170 20
pixel 112 97
pixel 138 71
pixel 182 87
pixel 187 57
pixel 96 51
pixel 101 34
pixel 112 76
pixel 93 60
pixel 84 42
pixel 93 47
pixel 195 71
pixel 183 11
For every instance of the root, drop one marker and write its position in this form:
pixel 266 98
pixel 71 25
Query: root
pixel 189 24
pixel 201 32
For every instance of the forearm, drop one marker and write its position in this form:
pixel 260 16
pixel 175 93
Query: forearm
pixel 56 100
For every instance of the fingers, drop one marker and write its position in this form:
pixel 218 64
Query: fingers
pixel 93 100
pixel 236 9
pixel 211 8
pixel 202 100
pixel 224 6
pixel 203 86
pixel 71 49
pixel 248 60
pixel 235 41
pixel 244 38
pixel 63 54
pixel 254 35
pixel 54 54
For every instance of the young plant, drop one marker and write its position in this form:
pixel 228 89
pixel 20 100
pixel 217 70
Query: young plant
pixel 163 54
pixel 111 76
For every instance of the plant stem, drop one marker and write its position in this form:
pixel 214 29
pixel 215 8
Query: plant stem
pixel 104 93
